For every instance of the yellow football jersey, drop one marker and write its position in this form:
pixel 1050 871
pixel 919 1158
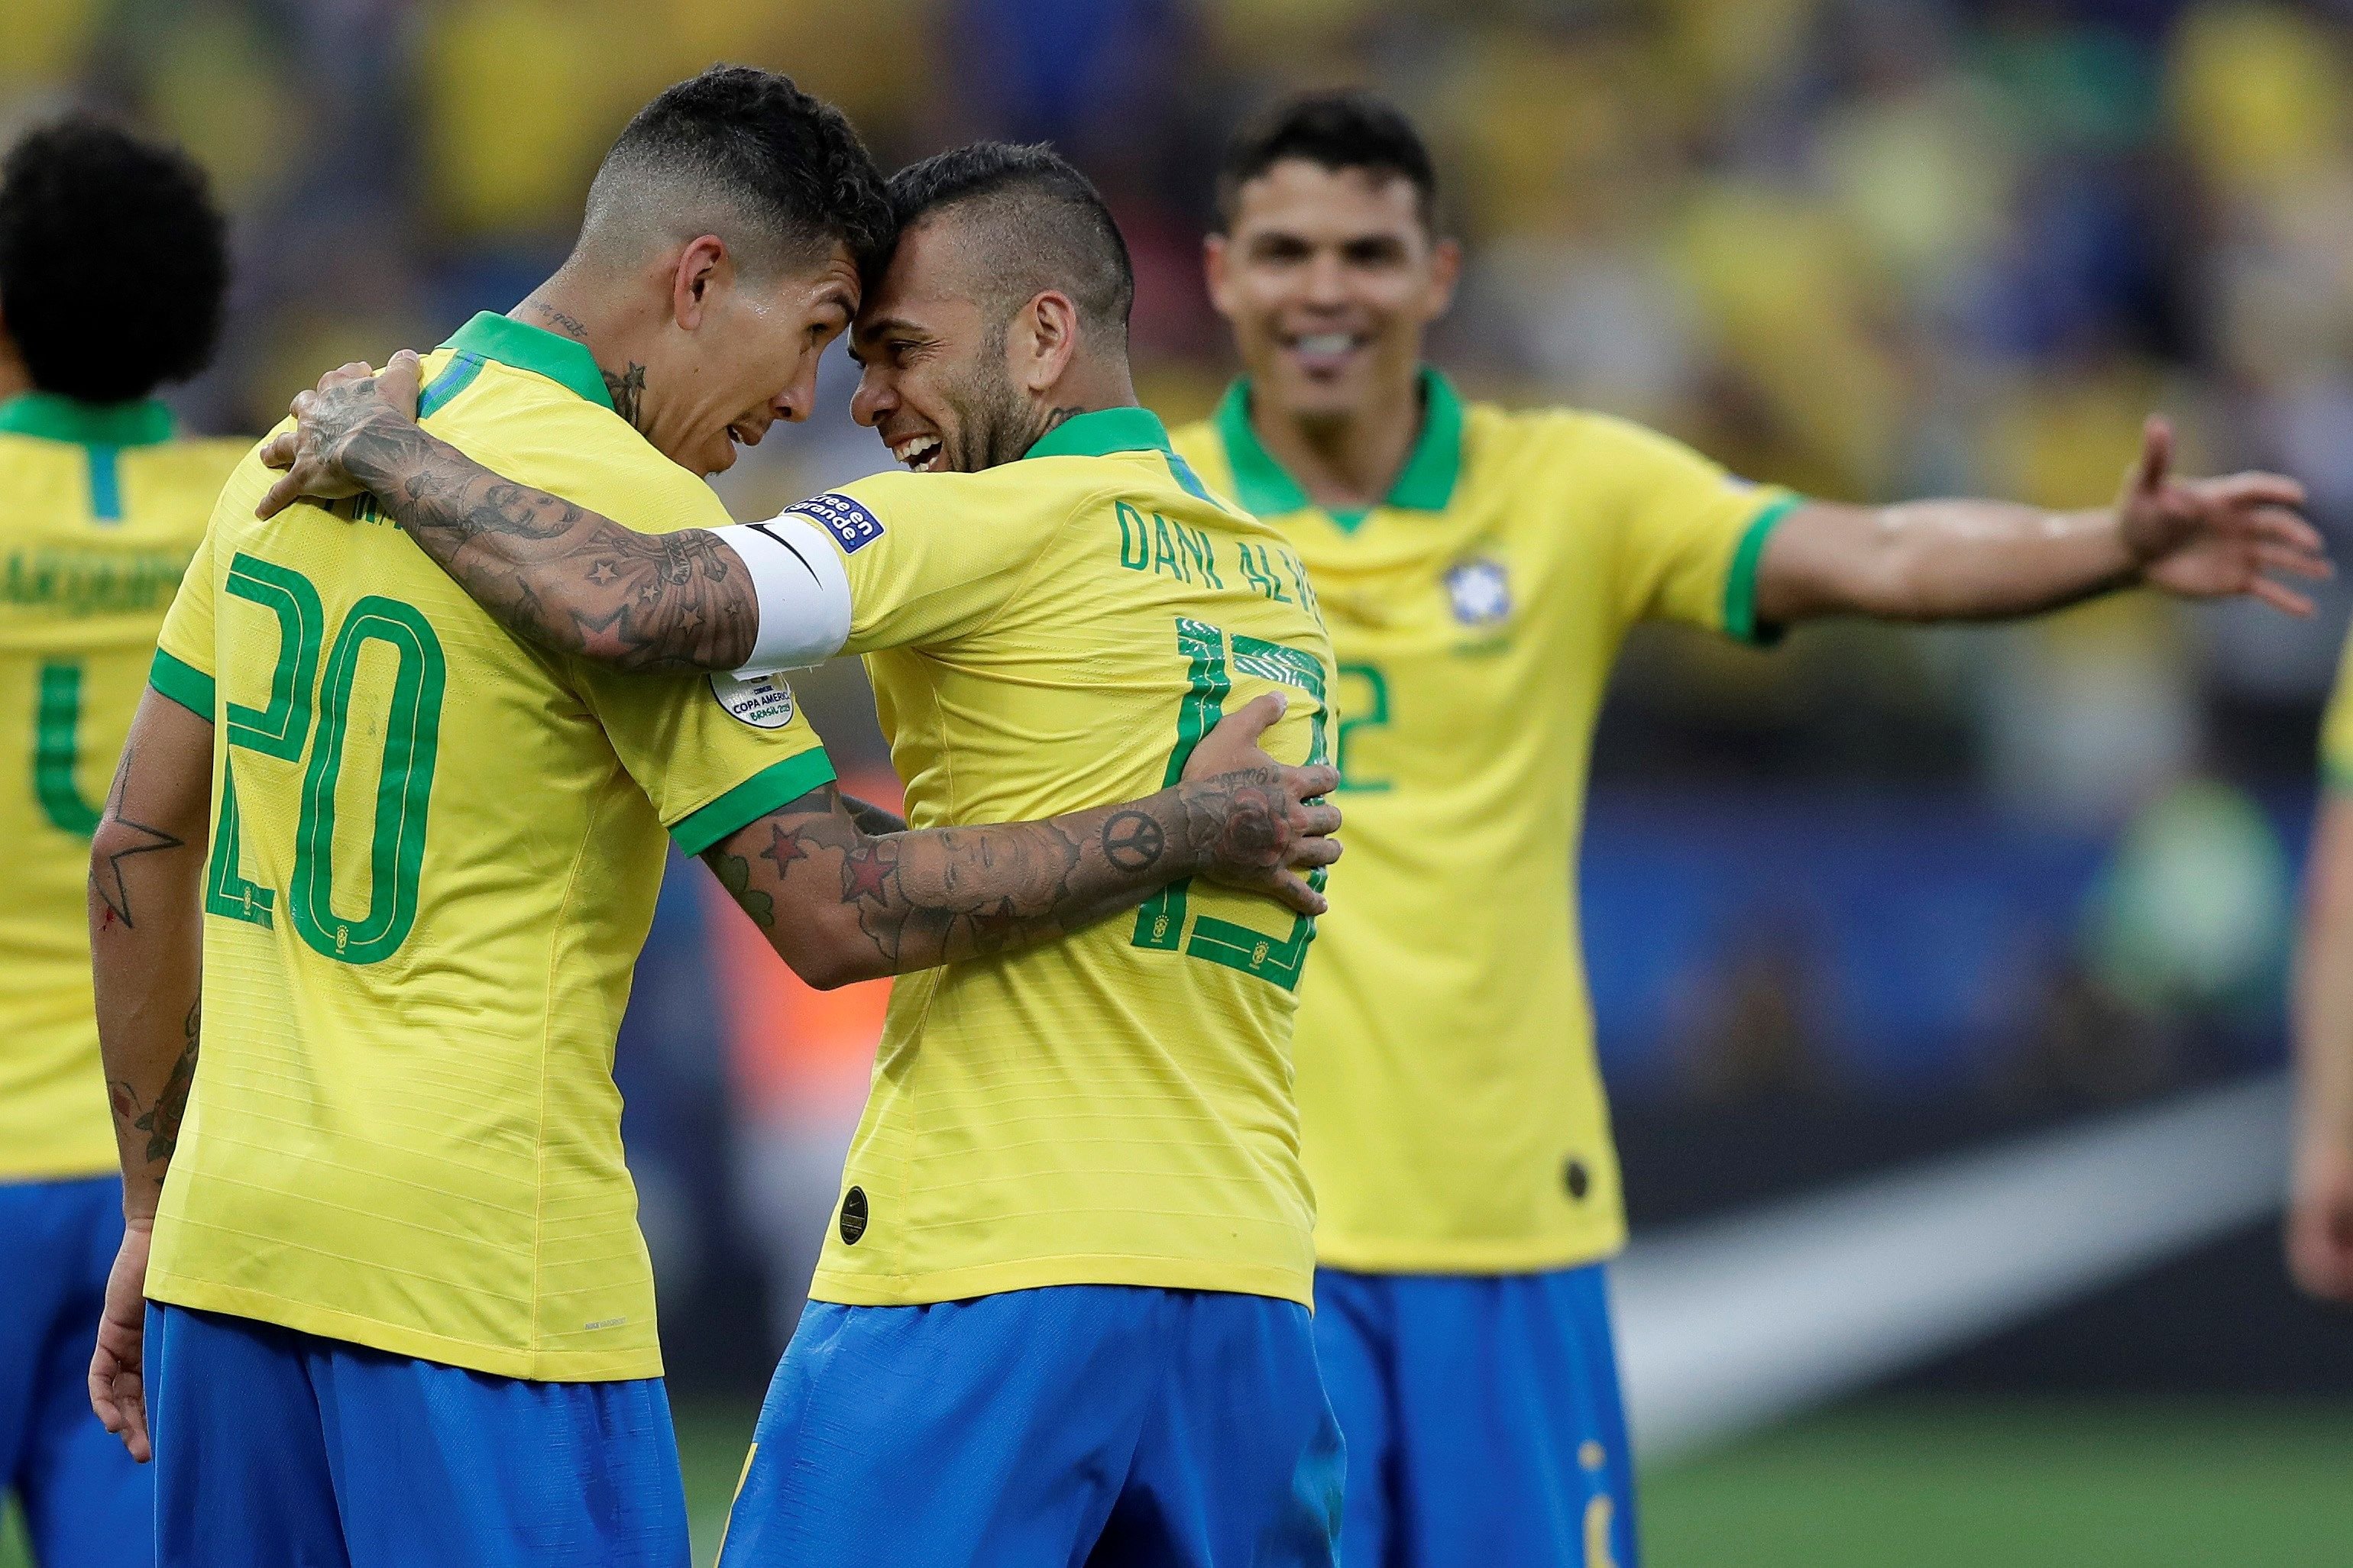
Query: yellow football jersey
pixel 99 511
pixel 2337 728
pixel 1114 1108
pixel 434 855
pixel 1450 1101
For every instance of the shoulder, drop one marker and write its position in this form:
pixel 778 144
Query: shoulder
pixel 554 440
pixel 1198 443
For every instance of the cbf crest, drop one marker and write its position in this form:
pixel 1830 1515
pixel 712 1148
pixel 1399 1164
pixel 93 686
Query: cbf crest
pixel 1479 592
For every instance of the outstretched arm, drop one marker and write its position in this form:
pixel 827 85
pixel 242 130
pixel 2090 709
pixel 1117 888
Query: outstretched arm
pixel 840 903
pixel 551 573
pixel 2320 1198
pixel 146 939
pixel 1981 560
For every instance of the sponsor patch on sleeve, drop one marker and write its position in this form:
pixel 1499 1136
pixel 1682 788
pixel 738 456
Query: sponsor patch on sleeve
pixel 852 526
pixel 764 701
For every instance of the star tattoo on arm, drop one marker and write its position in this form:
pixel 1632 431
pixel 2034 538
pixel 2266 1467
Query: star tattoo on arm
pixel 106 872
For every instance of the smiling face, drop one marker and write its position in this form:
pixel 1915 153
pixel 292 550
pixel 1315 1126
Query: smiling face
pixel 1329 279
pixel 937 385
pixel 748 359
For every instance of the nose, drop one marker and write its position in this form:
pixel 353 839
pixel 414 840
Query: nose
pixel 795 403
pixel 1326 281
pixel 874 399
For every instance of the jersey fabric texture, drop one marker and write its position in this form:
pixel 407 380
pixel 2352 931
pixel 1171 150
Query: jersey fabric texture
pixel 99 511
pixel 1534 1470
pixel 86 1504
pixel 1450 1105
pixel 276 1447
pixel 1105 1424
pixel 435 855
pixel 1115 1108
pixel 2337 728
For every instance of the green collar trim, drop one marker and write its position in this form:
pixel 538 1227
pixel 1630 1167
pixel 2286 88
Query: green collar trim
pixel 1103 433
pixel 1425 483
pixel 534 349
pixel 54 417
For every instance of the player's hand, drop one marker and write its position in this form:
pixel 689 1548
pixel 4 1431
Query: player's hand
pixel 2213 539
pixel 2320 1219
pixel 1262 824
pixel 118 1385
pixel 348 401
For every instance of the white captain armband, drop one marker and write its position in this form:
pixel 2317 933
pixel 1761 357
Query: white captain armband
pixel 803 592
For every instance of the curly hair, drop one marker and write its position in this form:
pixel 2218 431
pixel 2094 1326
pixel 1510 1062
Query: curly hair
pixel 113 261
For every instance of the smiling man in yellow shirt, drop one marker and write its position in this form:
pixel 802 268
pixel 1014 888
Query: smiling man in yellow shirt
pixel 1479 568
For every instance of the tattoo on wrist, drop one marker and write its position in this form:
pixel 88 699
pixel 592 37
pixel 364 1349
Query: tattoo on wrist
pixel 160 1119
pixel 1132 841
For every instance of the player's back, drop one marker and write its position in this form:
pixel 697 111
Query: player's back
pixel 1113 1108
pixel 435 856
pixel 99 511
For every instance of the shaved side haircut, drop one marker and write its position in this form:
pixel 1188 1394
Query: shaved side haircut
pixel 1034 223
pixel 742 154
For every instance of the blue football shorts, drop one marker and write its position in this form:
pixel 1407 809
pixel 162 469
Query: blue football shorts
pixel 284 1448
pixel 1483 1419
pixel 1111 1425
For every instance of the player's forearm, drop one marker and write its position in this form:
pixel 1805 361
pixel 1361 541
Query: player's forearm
pixel 552 573
pixel 147 861
pixel 2323 993
pixel 843 905
pixel 1940 561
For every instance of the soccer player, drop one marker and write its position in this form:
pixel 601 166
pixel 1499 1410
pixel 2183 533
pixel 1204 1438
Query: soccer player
pixel 1479 568
pixel 2320 1199
pixel 403 1312
pixel 1063 1313
pixel 113 264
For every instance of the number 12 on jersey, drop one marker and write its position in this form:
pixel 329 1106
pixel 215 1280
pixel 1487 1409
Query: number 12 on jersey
pixel 411 727
pixel 1214 655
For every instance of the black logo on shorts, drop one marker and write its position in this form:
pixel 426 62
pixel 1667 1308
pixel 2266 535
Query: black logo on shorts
pixel 853 1215
pixel 1573 1175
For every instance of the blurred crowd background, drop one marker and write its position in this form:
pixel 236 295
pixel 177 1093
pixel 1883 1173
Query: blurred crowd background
pixel 1887 889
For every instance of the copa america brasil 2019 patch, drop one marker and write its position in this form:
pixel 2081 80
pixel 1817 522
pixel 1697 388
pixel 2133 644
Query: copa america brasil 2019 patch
pixel 852 526
pixel 764 701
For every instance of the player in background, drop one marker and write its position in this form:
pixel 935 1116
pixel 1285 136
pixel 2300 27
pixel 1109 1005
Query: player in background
pixel 402 1311
pixel 1479 569
pixel 1063 1313
pixel 2320 1196
pixel 113 267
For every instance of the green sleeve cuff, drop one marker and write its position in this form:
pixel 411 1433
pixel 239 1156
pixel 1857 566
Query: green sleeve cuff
pixel 184 683
pixel 771 787
pixel 1740 583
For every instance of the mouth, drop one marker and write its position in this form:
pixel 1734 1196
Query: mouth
pixel 1325 353
pixel 923 454
pixel 744 434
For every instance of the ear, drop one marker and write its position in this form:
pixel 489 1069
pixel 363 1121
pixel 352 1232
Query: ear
pixel 1044 341
pixel 1213 272
pixel 703 266
pixel 1445 272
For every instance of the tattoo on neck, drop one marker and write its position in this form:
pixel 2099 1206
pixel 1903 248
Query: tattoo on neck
pixel 1056 417
pixel 627 390
pixel 568 325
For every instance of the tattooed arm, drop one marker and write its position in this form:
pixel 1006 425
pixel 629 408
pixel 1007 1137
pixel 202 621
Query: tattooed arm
pixel 146 875
pixel 548 570
pixel 842 904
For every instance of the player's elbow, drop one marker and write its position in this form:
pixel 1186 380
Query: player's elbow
pixel 828 958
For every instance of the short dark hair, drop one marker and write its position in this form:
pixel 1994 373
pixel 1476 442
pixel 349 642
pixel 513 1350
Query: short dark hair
pixel 1044 224
pixel 788 167
pixel 1334 130
pixel 113 261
